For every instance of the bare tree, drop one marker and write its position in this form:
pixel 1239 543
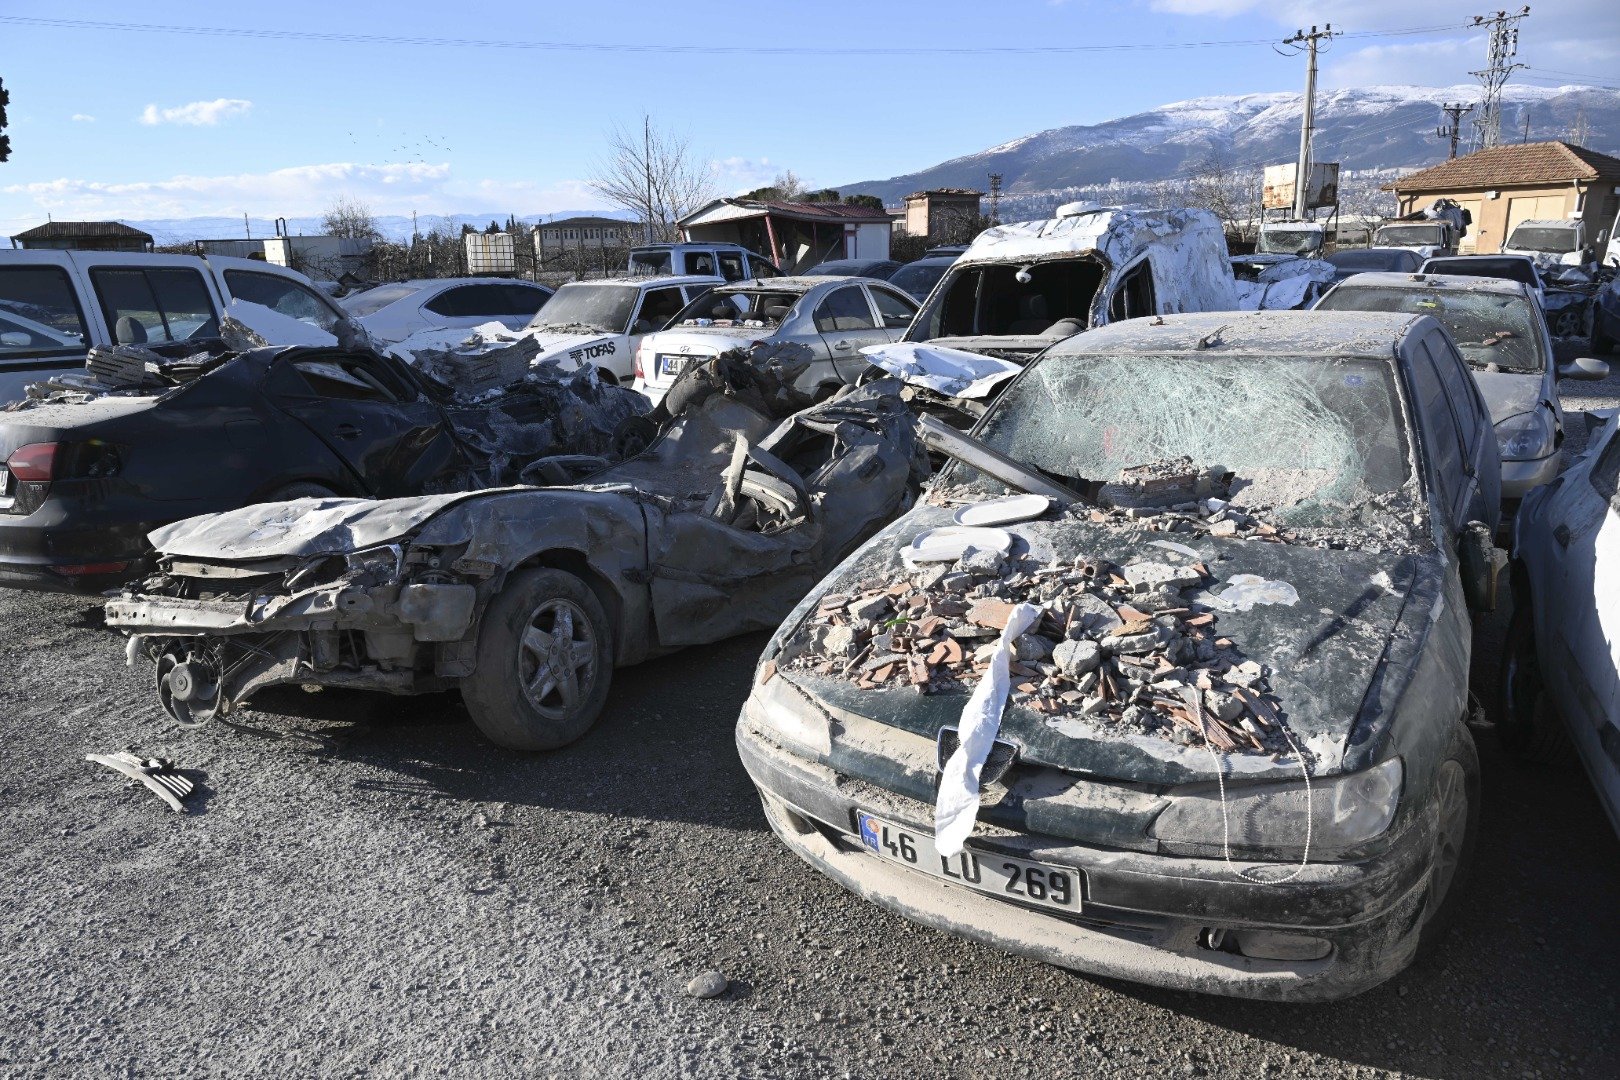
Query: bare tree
pixel 654 173
pixel 352 218
pixel 1233 195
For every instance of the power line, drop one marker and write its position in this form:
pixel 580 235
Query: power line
pixel 267 33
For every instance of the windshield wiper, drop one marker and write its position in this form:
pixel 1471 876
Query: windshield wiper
pixel 944 439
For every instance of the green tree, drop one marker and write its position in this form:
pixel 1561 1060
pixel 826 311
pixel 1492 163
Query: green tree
pixel 5 140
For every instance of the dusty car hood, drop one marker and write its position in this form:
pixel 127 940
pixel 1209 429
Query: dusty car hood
pixel 1508 393
pixel 1323 651
pixel 703 338
pixel 302 527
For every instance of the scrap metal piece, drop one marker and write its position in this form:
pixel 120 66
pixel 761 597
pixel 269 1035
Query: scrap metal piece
pixel 157 774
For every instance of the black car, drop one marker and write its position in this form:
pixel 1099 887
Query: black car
pixel 1513 267
pixel 872 268
pixel 1347 261
pixel 86 477
pixel 919 278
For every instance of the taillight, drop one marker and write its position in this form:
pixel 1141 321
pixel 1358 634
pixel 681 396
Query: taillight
pixel 641 372
pixel 33 462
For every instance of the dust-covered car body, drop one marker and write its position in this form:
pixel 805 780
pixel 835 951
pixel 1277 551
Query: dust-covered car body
pixel 1499 329
pixel 1189 863
pixel 1022 286
pixel 526 597
pixel 832 317
pixel 1560 678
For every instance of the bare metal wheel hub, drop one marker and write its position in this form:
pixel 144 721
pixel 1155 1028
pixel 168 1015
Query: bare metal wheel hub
pixel 557 658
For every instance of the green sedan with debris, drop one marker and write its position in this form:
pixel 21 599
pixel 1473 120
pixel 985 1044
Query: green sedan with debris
pixel 1166 678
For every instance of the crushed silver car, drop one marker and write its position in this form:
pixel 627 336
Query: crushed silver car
pixel 526 598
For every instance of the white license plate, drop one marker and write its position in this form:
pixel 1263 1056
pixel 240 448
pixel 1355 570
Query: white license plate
pixel 5 480
pixel 674 365
pixel 1000 875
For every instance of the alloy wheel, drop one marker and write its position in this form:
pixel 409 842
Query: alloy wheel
pixel 557 658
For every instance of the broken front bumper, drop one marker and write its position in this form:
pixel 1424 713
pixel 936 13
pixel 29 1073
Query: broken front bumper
pixel 1519 477
pixel 1163 920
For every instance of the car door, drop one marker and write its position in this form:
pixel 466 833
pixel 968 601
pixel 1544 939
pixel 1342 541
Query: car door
pixel 847 323
pixel 370 415
pixel 1579 619
pixel 1481 462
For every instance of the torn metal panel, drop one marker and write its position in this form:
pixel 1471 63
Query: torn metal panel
pixel 157 775
pixel 679 545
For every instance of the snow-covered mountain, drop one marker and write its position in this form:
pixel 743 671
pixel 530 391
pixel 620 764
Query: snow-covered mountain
pixel 1368 130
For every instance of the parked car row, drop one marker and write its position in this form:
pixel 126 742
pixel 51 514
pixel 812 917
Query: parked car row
pixel 1162 676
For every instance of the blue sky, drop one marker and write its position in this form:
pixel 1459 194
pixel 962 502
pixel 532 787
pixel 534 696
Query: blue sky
pixel 110 122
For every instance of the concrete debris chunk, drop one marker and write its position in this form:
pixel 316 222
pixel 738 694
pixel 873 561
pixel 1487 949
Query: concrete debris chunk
pixel 708 984
pixel 1098 655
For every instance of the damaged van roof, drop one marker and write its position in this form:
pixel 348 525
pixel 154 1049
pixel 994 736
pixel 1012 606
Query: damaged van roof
pixel 1109 231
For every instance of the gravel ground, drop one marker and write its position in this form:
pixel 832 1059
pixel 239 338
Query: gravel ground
pixel 370 888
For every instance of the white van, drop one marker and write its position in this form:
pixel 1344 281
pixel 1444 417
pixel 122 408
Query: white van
pixel 56 305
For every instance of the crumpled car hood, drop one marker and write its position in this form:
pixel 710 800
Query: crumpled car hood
pixel 303 526
pixel 1323 651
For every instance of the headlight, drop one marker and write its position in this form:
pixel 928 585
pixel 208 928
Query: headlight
pixel 1525 437
pixel 1267 821
pixel 784 712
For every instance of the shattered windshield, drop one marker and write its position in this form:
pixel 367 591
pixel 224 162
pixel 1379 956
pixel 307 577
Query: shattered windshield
pixel 602 307
pixel 1311 442
pixel 1274 241
pixel 1489 328
pixel 1551 240
pixel 726 306
pixel 1411 234
pixel 374 300
pixel 989 300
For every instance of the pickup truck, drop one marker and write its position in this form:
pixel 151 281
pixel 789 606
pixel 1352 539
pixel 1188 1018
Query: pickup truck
pixel 56 305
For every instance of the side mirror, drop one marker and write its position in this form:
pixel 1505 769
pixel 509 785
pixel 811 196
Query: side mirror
pixel 1481 563
pixel 1583 368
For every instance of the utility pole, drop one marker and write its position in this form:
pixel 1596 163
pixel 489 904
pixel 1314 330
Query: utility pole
pixel 1307 43
pixel 646 161
pixel 1504 46
pixel 1452 130
pixel 995 198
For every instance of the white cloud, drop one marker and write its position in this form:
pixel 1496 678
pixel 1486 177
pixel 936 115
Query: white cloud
pixel 299 191
pixel 198 113
pixel 1443 62
pixel 83 118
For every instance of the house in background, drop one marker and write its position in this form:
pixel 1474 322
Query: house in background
pixel 793 235
pixel 83 236
pixel 585 231
pixel 1506 185
pixel 941 213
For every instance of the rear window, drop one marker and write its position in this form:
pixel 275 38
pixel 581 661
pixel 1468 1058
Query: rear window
pixel 1480 266
pixel 1489 328
pixel 39 313
pixel 989 300
pixel 282 295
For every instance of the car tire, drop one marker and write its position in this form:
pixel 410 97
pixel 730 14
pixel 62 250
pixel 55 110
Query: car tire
pixel 1527 722
pixel 303 489
pixel 633 435
pixel 1567 323
pixel 513 693
pixel 1456 809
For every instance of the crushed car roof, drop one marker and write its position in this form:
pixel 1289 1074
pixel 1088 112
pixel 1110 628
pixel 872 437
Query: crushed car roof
pixel 1080 228
pixel 1391 279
